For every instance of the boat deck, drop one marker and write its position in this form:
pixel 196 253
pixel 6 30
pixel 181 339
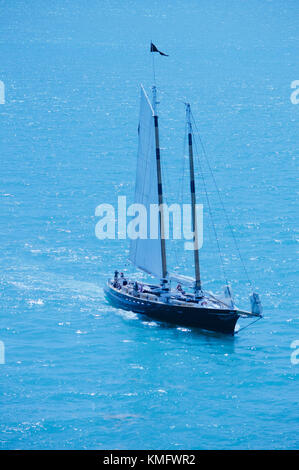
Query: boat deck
pixel 172 297
pixel 167 308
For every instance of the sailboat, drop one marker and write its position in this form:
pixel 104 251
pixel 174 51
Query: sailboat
pixel 189 304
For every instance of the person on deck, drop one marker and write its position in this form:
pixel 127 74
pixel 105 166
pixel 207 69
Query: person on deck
pixel 179 289
pixel 115 282
pixel 123 280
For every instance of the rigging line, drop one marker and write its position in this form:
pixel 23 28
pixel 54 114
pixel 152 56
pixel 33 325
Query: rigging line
pixel 210 213
pixel 171 96
pixel 154 73
pixel 181 188
pixel 222 204
pixel 142 192
pixel 196 155
pixel 246 326
pixel 183 169
pixel 165 184
pixel 181 193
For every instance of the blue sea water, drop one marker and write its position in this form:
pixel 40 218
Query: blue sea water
pixel 79 374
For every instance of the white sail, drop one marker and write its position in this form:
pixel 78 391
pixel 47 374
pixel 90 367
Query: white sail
pixel 146 253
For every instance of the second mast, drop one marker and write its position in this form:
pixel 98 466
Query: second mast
pixel 193 203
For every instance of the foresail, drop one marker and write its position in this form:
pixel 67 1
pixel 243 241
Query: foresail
pixel 146 253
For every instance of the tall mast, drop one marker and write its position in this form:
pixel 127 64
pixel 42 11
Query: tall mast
pixel 160 191
pixel 193 203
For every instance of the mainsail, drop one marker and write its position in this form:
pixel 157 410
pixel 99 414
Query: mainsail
pixel 146 254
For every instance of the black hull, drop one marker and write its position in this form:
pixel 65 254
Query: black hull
pixel 222 321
